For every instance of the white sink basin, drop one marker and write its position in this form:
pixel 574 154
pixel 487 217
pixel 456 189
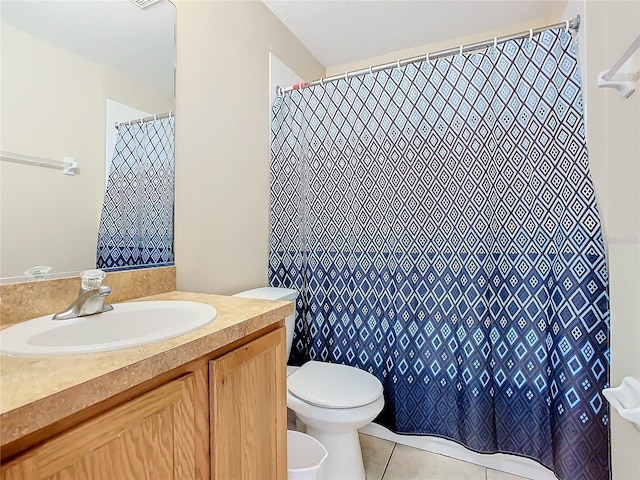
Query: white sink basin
pixel 127 325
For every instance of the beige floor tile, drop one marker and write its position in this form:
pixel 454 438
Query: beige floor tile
pixel 497 475
pixel 375 454
pixel 409 463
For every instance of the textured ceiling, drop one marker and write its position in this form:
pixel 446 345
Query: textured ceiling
pixel 344 31
pixel 114 32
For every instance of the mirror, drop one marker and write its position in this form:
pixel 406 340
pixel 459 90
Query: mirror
pixel 62 63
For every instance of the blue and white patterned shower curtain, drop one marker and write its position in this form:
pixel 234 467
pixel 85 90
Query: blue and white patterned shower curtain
pixel 440 223
pixel 136 224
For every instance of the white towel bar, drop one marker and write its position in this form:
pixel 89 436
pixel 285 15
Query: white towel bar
pixel 67 165
pixel 619 78
pixel 626 399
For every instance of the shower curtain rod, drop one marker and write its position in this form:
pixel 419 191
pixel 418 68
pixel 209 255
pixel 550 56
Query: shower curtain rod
pixel 572 24
pixel 145 119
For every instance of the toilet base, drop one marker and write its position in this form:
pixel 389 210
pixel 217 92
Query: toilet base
pixel 344 461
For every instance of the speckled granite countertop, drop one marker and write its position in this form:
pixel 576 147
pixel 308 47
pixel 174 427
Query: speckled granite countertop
pixel 36 392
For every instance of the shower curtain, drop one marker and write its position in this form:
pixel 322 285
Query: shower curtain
pixel 136 224
pixel 440 223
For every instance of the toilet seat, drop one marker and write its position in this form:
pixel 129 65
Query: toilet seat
pixel 331 385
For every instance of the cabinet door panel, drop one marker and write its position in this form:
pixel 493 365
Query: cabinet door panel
pixel 149 437
pixel 248 411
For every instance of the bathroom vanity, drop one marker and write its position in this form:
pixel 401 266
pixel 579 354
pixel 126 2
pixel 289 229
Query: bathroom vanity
pixel 208 404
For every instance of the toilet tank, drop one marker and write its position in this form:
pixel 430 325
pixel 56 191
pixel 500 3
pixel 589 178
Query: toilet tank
pixel 276 293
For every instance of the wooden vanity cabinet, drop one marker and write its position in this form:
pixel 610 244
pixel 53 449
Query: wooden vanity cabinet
pixel 234 428
pixel 152 436
pixel 249 411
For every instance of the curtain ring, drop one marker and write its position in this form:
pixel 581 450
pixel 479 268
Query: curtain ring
pixel 370 69
pixel 567 26
pixel 155 117
pixel 346 76
pixel 530 34
pixel 322 81
pixel 398 66
pixel 428 57
pixel 460 49
pixel 495 42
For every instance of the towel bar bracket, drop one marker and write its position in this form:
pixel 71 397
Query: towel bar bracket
pixel 623 83
pixel 622 76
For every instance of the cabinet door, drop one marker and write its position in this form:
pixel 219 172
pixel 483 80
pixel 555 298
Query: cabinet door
pixel 249 410
pixel 150 437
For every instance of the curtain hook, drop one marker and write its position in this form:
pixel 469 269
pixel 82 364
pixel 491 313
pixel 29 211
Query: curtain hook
pixel 495 42
pixel 155 117
pixel 398 63
pixel 370 69
pixel 530 34
pixel 428 57
pixel 322 81
pixel 567 26
pixel 460 49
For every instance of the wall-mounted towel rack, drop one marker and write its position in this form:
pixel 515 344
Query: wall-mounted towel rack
pixel 626 399
pixel 67 165
pixel 622 76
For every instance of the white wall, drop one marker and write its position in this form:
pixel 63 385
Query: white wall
pixel 280 76
pixel 446 43
pixel 613 133
pixel 47 112
pixel 54 105
pixel 222 140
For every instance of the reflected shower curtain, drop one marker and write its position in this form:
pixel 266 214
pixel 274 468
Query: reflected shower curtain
pixel 441 226
pixel 136 224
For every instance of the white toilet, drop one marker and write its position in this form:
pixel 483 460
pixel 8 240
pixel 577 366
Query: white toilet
pixel 332 400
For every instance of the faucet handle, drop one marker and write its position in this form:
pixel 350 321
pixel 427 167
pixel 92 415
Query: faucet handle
pixel 91 279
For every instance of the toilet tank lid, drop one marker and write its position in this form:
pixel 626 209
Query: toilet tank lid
pixel 270 293
pixel 332 385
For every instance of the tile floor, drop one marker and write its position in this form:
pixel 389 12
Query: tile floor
pixel 385 460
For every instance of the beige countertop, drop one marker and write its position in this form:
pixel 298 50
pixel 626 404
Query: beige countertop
pixel 36 392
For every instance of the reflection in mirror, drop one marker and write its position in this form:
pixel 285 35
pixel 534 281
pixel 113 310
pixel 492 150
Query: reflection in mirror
pixel 62 63
pixel 136 224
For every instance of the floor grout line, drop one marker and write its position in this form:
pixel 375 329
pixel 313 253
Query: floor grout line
pixel 388 461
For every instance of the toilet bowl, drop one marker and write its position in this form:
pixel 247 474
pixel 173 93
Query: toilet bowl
pixel 333 401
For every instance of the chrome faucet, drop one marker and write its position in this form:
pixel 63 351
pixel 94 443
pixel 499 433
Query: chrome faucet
pixel 90 299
